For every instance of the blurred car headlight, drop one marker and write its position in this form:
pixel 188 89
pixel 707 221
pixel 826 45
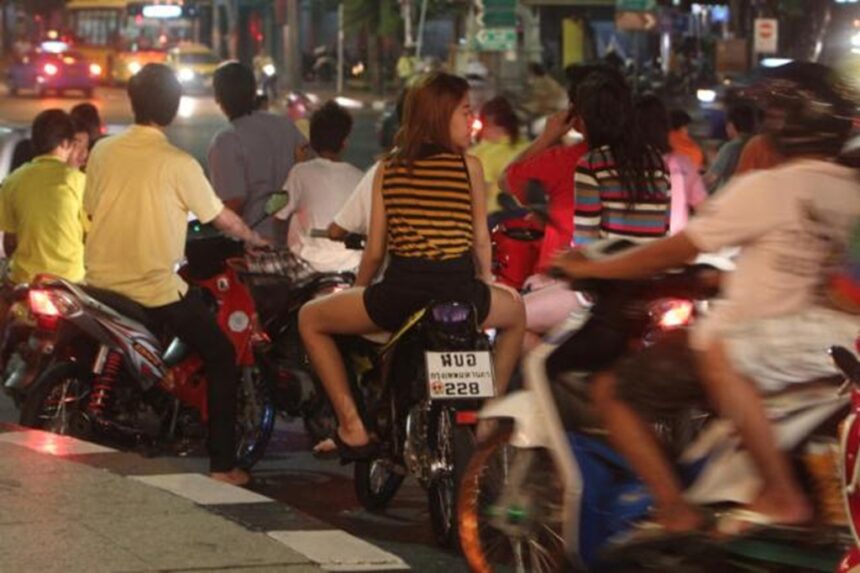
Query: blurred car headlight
pixel 706 96
pixel 186 75
pixel 95 70
pixel 134 67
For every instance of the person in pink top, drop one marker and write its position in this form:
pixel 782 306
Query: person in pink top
pixel 688 188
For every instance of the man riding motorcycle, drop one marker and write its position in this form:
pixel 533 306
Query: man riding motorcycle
pixel 771 330
pixel 139 192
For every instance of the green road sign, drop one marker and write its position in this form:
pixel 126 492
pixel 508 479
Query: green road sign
pixel 636 5
pixel 497 13
pixel 497 39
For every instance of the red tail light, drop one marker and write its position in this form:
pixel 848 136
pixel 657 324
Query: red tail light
pixel 672 313
pixel 41 304
pixel 466 418
pixel 48 306
pixel 51 69
pixel 43 308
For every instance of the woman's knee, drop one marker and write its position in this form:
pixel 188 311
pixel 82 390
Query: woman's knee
pixel 308 318
pixel 507 312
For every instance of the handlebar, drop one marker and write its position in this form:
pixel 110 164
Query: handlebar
pixel 352 241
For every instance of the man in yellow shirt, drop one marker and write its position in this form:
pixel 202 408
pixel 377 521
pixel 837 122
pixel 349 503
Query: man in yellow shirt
pixel 140 190
pixel 41 210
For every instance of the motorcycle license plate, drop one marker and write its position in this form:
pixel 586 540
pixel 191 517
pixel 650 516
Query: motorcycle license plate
pixel 459 375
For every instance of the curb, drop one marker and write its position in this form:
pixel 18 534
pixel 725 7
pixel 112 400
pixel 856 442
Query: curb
pixel 329 548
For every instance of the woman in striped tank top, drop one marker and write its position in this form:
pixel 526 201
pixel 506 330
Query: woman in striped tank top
pixel 429 214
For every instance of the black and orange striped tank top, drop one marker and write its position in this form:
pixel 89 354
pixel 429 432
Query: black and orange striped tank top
pixel 429 208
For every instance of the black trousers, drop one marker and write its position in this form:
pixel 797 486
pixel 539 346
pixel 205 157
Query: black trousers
pixel 194 324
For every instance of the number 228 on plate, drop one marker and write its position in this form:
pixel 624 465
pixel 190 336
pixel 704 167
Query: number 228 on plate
pixel 458 375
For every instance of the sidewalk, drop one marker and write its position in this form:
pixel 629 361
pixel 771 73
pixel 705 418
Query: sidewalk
pixel 68 505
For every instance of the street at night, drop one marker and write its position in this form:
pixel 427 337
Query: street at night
pixel 444 286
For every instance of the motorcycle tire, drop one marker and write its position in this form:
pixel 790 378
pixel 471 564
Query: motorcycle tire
pixel 488 549
pixel 442 490
pixel 261 424
pixel 44 389
pixel 375 483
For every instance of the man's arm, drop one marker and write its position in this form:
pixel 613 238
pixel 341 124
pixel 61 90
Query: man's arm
pixel 639 262
pixel 229 223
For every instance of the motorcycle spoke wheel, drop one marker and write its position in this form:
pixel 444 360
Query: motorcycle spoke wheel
pixel 63 403
pixel 452 446
pixel 496 535
pixel 57 402
pixel 255 419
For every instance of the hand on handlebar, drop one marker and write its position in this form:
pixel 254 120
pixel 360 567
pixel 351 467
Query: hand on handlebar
pixel 256 243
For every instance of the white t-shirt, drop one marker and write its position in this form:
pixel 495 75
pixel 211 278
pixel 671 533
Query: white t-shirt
pixel 354 216
pixel 318 189
pixel 788 222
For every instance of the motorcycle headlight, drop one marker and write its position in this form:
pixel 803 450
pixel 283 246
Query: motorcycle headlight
pixel 186 75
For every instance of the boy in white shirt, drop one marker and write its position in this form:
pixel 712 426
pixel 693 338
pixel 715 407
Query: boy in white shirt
pixel 318 189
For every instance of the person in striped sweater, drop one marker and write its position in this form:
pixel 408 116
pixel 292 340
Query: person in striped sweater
pixel 621 185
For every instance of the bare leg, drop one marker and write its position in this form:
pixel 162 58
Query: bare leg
pixel 508 316
pixel 737 398
pixel 340 313
pixel 635 439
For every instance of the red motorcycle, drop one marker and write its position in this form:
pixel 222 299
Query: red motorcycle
pixel 113 375
pixel 850 449
pixel 516 233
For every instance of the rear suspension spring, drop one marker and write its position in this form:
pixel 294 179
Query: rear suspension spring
pixel 104 383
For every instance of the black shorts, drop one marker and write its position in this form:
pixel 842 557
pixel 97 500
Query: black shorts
pixel 411 284
pixel 661 380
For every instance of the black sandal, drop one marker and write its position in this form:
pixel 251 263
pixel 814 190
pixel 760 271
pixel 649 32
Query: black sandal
pixel 349 454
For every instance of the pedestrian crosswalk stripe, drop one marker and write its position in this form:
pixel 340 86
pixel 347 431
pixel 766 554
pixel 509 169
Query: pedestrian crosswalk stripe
pixel 201 489
pixel 336 550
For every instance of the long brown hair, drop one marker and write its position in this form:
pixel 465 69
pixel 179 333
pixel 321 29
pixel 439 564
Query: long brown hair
pixel 427 116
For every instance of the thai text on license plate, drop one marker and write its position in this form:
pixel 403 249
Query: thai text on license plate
pixel 458 375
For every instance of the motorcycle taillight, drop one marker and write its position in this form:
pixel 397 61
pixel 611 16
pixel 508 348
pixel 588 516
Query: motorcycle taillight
pixel 41 304
pixel 48 306
pixel 672 313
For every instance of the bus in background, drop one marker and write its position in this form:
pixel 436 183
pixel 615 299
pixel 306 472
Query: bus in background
pixel 122 36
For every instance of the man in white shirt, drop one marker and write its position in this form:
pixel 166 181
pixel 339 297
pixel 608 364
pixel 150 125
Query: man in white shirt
pixel 318 189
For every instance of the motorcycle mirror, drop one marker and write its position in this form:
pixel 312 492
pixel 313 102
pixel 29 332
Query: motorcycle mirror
pixel 535 193
pixel 508 202
pixel 846 362
pixel 276 202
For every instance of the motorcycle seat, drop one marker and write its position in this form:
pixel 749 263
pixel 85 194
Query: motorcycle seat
pixel 123 305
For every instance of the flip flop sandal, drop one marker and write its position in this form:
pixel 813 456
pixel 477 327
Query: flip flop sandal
pixel 741 523
pixel 349 454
